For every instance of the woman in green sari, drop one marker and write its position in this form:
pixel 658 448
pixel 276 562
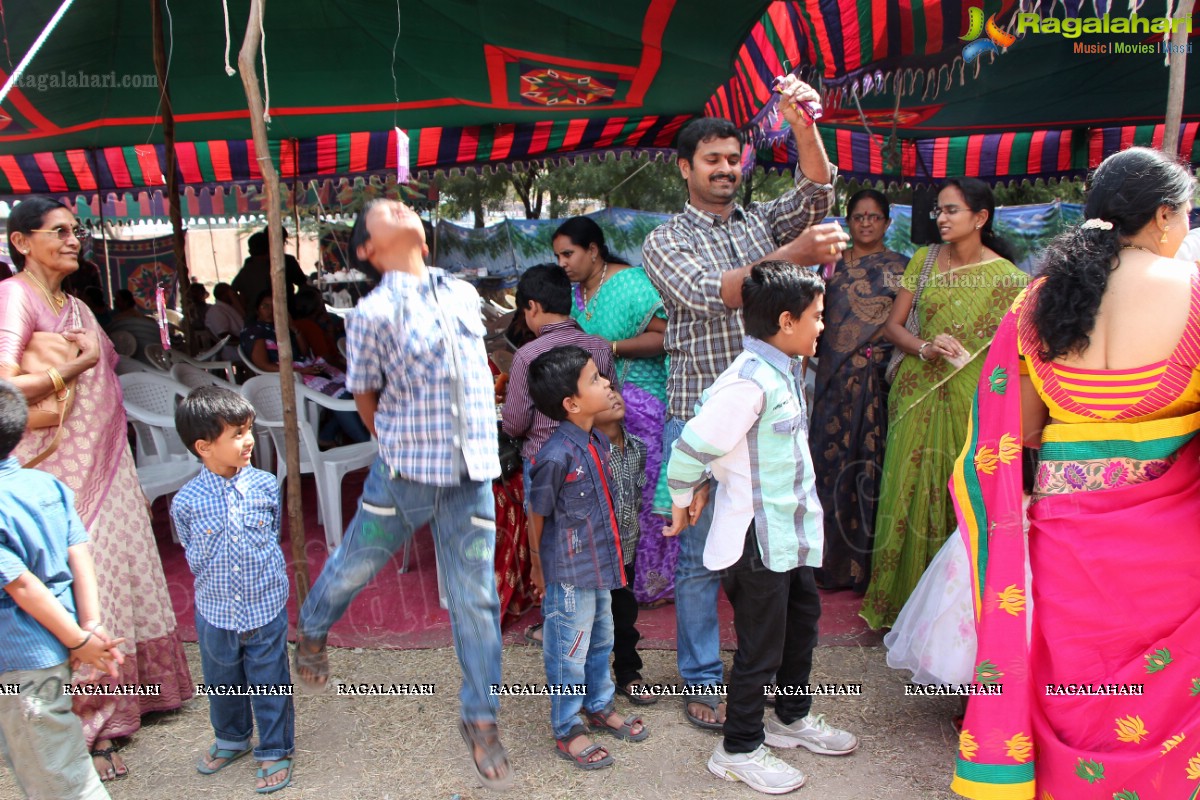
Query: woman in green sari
pixel 971 283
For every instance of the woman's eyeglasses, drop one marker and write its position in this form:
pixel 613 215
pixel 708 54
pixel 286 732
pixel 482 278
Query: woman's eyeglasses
pixel 63 232
pixel 861 218
pixel 949 211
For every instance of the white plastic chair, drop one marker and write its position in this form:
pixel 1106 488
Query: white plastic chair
pixel 165 479
pixel 225 367
pixel 328 467
pixel 150 402
pixel 249 363
pixel 158 357
pixel 131 366
pixel 341 346
pixel 124 343
pixel 205 355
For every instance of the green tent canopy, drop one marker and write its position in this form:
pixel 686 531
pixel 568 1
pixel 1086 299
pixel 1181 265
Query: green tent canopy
pixel 484 83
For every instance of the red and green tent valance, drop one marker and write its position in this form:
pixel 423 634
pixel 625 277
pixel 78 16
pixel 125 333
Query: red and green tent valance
pixel 232 162
pixel 994 157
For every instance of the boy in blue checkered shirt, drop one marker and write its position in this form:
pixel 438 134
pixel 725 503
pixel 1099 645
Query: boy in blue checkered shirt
pixel 227 518
pixel 49 623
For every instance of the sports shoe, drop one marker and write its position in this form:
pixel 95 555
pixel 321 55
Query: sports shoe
pixel 812 732
pixel 759 770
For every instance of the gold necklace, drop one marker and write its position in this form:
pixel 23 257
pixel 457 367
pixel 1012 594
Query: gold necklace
pixel 56 301
pixel 587 310
pixel 950 259
pixel 1138 247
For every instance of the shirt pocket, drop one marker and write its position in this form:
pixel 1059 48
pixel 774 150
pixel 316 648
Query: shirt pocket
pixel 788 426
pixel 207 531
pixel 261 524
pixel 580 501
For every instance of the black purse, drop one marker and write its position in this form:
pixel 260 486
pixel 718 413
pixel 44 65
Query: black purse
pixel 510 455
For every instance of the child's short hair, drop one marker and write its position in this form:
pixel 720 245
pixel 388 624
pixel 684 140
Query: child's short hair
pixel 547 284
pixel 205 412
pixel 773 287
pixel 14 414
pixel 554 376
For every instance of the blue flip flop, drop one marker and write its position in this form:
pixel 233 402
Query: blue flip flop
pixel 230 756
pixel 283 763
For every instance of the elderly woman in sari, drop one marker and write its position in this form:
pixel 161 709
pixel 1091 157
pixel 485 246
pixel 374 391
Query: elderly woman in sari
pixel 849 411
pixel 90 453
pixel 1098 366
pixel 968 282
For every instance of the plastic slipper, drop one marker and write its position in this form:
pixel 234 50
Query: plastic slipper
pixel 633 697
pixel 283 763
pixel 495 757
pixel 230 756
pixel 563 748
pixel 598 720
pixel 708 700
pixel 530 638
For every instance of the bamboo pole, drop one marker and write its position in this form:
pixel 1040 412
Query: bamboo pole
pixel 1177 81
pixel 182 280
pixel 248 69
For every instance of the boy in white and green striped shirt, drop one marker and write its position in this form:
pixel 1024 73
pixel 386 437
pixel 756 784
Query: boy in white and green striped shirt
pixel 751 433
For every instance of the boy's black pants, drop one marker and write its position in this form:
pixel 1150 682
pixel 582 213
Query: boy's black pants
pixel 627 664
pixel 775 615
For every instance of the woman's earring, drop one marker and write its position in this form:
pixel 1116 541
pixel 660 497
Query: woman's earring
pixel 1163 238
pixel 977 227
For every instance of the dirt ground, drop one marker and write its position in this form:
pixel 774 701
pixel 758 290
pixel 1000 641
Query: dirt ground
pixel 385 748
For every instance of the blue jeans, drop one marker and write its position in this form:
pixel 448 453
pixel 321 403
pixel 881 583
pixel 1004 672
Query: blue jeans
pixel 697 636
pixel 463 519
pixel 254 658
pixel 578 641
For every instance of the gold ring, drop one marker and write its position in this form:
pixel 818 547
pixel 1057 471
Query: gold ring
pixel 833 249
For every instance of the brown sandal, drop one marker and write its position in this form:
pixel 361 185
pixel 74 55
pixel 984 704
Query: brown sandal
pixel 311 664
pixel 495 757
pixel 598 720
pixel 582 759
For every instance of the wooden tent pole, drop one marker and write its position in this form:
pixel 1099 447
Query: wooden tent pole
pixel 182 280
pixel 1177 80
pixel 247 67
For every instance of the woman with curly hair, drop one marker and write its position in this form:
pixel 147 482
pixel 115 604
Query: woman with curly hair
pixel 960 290
pixel 1097 366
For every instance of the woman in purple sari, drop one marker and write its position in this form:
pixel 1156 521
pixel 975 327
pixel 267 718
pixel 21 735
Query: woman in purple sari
pixel 615 301
pixel 93 458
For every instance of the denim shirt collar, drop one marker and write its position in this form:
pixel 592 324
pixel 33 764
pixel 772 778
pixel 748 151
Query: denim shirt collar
pixel 577 435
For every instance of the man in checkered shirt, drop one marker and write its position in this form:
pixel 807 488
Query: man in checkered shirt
pixel 419 375
pixel 698 261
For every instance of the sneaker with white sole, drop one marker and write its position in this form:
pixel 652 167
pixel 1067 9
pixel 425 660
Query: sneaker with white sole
pixel 759 770
pixel 811 732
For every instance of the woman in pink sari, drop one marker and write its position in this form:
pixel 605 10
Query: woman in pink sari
pixel 92 456
pixel 1098 366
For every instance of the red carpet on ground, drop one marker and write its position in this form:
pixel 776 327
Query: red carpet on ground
pixel 400 611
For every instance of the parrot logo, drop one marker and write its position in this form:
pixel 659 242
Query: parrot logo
pixel 996 38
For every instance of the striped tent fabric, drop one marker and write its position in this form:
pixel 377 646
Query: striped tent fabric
pixel 227 162
pixel 996 158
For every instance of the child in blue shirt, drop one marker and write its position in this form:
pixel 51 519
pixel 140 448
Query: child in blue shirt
pixel 576 548
pixel 227 518
pixel 49 623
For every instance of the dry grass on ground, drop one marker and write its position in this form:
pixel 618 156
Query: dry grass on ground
pixel 379 748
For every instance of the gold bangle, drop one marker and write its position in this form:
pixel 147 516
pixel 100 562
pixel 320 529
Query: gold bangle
pixel 56 379
pixel 614 348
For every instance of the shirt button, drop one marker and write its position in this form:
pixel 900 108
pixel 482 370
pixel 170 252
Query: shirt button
pixel 234 538
pixel 235 569
pixel 456 441
pixel 237 597
pixel 454 409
